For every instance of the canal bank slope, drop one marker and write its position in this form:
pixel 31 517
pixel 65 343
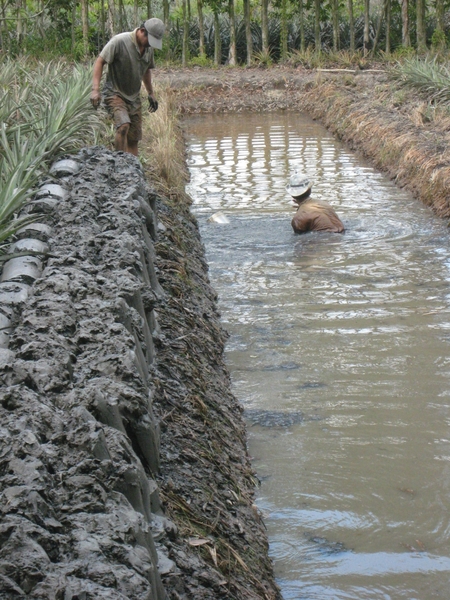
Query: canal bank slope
pixel 124 470
pixel 401 132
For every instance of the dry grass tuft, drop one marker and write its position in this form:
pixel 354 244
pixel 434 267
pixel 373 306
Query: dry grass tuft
pixel 162 148
pixel 410 143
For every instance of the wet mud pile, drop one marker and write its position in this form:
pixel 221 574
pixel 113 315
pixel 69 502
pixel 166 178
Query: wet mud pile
pixel 116 415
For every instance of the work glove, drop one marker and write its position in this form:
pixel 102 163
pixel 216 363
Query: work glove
pixel 152 104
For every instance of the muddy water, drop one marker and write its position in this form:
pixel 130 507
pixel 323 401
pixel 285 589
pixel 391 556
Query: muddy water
pixel 339 351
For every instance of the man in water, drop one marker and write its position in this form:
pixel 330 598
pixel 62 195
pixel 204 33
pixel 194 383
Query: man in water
pixel 129 57
pixel 311 215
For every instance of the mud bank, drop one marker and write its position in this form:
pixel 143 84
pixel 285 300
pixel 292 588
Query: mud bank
pixel 401 132
pixel 117 418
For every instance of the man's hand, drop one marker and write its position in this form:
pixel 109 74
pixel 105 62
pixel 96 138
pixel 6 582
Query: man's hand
pixel 95 98
pixel 152 104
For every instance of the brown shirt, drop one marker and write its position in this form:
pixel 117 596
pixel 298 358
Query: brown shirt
pixel 126 66
pixel 316 216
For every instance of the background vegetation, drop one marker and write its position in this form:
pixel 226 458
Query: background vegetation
pixel 44 112
pixel 229 31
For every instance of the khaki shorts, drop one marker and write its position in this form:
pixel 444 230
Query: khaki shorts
pixel 124 112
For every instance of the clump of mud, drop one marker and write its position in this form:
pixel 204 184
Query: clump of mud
pixel 124 471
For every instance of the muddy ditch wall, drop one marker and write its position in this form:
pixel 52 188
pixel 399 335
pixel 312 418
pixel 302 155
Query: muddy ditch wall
pixel 124 470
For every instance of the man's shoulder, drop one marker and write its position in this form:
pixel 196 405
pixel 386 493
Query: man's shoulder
pixel 121 38
pixel 116 45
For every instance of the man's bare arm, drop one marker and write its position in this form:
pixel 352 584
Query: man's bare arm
pixel 96 78
pixel 147 79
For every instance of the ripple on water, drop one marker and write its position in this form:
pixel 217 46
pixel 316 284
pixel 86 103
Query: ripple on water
pixel 338 351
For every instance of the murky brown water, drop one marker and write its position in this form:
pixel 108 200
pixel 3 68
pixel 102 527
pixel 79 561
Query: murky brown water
pixel 339 352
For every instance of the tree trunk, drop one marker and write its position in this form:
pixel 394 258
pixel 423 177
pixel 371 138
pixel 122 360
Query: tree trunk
pixel 420 26
pixel 85 26
pixel 265 27
pixel 335 16
pixel 136 14
pixel 388 26
pixel 248 32
pixel 149 9
pixel 380 23
pixel 19 29
pixel 112 21
pixel 406 39
pixel 2 24
pixel 232 52
pixel 185 49
pixel 317 25
pixel 102 22
pixel 440 24
pixel 201 28
pixel 366 26
pixel 351 21
pixel 40 18
pixel 72 27
pixel 284 31
pixel 121 16
pixel 440 15
pixel 217 40
pixel 166 7
pixel 302 25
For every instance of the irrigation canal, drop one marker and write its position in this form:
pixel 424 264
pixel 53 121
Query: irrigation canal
pixel 339 351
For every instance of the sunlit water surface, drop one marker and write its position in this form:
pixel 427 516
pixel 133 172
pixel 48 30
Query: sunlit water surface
pixel 339 352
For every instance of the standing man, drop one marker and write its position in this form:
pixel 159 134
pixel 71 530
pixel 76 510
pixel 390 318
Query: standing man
pixel 129 57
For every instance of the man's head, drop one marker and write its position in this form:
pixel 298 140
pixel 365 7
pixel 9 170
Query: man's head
pixel 153 29
pixel 299 187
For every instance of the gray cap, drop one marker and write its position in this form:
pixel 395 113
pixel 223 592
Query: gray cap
pixel 155 29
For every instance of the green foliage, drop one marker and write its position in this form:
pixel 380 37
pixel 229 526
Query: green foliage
pixel 439 39
pixel 426 76
pixel 44 111
pixel 263 58
pixel 201 61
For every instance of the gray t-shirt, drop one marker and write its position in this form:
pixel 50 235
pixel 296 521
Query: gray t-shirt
pixel 126 66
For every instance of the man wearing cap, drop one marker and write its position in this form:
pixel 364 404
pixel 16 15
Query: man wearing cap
pixel 129 57
pixel 311 215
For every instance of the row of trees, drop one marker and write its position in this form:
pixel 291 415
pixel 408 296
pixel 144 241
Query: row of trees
pixel 227 30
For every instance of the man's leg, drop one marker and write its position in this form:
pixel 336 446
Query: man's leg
pixel 135 131
pixel 133 148
pixel 121 138
pixel 118 109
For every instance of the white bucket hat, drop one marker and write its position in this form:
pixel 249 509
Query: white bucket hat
pixel 155 29
pixel 298 185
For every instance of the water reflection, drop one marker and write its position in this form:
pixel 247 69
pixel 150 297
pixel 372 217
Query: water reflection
pixel 338 351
